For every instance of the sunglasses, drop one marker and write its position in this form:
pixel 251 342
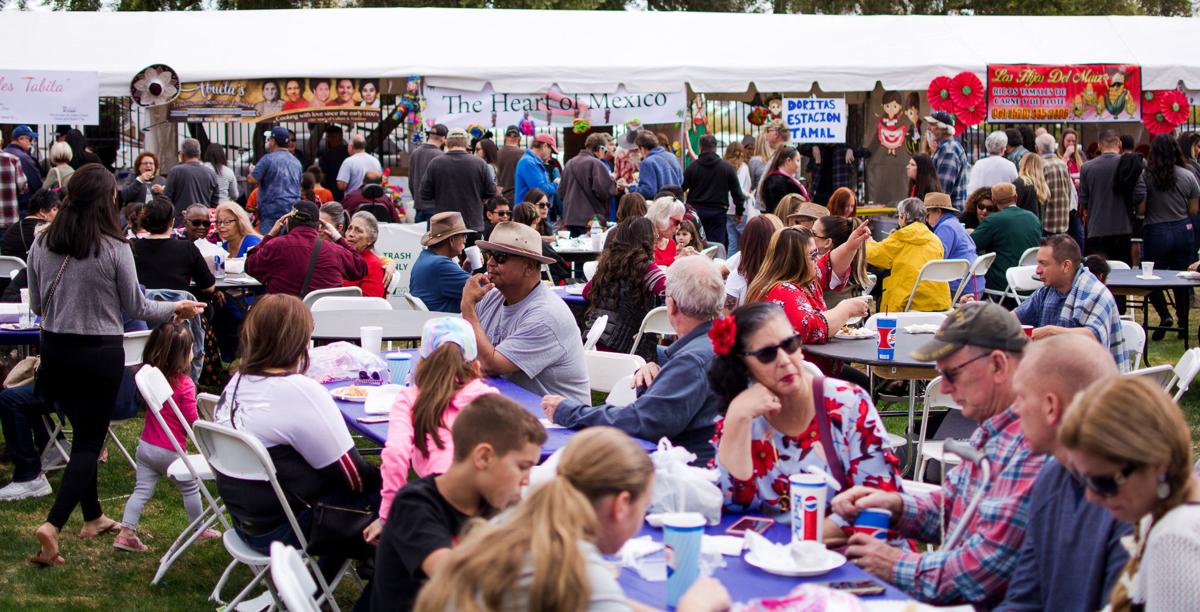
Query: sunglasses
pixel 949 375
pixel 767 354
pixel 1104 486
pixel 498 257
pixel 502 213
pixel 198 223
pixel 543 205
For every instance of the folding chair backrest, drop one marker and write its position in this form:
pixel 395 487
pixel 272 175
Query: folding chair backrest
pixel 904 319
pixel 233 453
pixel 606 369
pixel 939 271
pixel 710 252
pixel 1135 341
pixel 597 330
pixel 1029 257
pixel 153 386
pixel 10 265
pixel 623 393
pixel 812 368
pixel 982 264
pixel 135 344
pixel 936 398
pixel 589 269
pixel 1186 371
pixel 1163 374
pixel 292 581
pixel 1021 278
pixel 342 302
pixel 416 303
pixel 1117 264
pixel 313 296
pixel 655 322
pixel 206 405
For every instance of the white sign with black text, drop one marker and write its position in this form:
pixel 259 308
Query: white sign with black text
pixel 49 96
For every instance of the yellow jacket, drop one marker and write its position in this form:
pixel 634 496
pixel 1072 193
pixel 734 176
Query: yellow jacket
pixel 904 252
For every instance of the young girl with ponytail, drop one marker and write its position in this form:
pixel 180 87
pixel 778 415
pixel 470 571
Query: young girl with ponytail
pixel 546 555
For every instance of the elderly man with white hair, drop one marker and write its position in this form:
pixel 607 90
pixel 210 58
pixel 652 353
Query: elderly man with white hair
pixel 676 402
pixel 995 168
pixel 904 252
pixel 1056 212
pixel 666 213
pixel 949 159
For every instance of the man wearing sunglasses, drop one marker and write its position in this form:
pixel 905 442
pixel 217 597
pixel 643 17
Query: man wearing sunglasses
pixel 977 350
pixel 1072 554
pixel 496 211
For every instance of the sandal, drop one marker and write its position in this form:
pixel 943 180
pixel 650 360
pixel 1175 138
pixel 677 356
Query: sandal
pixel 46 540
pixel 111 526
pixel 41 561
pixel 129 544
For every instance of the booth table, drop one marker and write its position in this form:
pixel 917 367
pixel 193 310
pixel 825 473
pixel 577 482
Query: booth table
pixel 238 281
pixel 1130 283
pixel 396 324
pixel 744 581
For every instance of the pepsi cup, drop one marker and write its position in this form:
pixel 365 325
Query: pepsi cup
pixel 682 534
pixel 873 522
pixel 887 338
pixel 807 507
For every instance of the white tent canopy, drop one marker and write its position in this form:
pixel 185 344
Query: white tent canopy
pixel 654 51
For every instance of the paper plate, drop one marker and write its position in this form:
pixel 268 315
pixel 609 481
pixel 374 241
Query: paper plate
pixel 831 562
pixel 346 394
pixel 857 334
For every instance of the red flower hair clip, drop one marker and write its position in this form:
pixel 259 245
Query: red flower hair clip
pixel 723 333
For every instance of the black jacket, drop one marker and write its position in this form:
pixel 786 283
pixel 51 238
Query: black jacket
pixel 458 181
pixel 710 181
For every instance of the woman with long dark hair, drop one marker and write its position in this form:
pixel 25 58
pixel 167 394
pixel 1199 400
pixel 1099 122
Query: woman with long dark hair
pixel 227 182
pixel 922 176
pixel 487 150
pixel 746 263
pixel 1172 196
pixel 780 178
pixel 84 285
pixel 541 204
pixel 626 286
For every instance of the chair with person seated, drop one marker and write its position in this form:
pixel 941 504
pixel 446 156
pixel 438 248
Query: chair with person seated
pixel 1029 257
pixel 313 296
pixel 156 391
pixel 938 271
pixel 606 369
pixel 655 322
pixel 237 455
pixel 341 302
pixel 1022 281
pixel 594 333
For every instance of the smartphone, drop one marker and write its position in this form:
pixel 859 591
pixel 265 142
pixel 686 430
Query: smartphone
pixel 378 418
pixel 857 587
pixel 757 524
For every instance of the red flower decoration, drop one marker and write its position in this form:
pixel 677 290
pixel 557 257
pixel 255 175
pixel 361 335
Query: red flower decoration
pixel 1157 123
pixel 1174 106
pixel 743 492
pixel 723 334
pixel 782 485
pixel 763 456
pixel 939 94
pixel 971 115
pixel 967 92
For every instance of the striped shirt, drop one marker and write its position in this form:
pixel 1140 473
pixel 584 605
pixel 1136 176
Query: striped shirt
pixel 12 183
pixel 1087 304
pixel 978 569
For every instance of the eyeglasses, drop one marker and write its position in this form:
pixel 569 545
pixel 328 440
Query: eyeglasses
pixel 950 374
pixel 198 222
pixel 767 354
pixel 224 222
pixel 1104 486
pixel 498 257
pixel 501 213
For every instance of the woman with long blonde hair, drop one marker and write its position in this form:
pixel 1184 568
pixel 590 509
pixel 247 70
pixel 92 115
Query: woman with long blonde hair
pixel 1032 189
pixel 1128 444
pixel 235 229
pixel 546 555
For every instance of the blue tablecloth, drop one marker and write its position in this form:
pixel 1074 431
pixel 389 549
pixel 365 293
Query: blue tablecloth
pixel 570 299
pixel 744 581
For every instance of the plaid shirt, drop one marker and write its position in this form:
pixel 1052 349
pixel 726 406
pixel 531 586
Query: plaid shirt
pixel 1056 211
pixel 12 183
pixel 951 162
pixel 1088 304
pixel 978 569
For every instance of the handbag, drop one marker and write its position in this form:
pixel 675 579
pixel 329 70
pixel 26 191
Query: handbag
pixel 337 531
pixel 24 373
pixel 832 459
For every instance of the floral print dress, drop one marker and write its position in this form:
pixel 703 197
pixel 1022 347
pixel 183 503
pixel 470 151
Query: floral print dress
pixel 858 438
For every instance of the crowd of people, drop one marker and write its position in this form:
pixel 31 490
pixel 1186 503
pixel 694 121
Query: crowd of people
pixel 1081 458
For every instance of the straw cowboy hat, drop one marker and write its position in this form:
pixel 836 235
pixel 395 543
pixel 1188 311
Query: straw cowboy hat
pixel 810 210
pixel 515 239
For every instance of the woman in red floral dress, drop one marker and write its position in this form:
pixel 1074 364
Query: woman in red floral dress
pixel 771 428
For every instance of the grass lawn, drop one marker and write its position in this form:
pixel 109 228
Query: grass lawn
pixel 99 577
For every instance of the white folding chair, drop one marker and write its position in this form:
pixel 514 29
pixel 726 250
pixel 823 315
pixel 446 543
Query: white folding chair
pixel 623 393
pixel 313 296
pixel 933 449
pixel 711 251
pixel 594 333
pixel 589 269
pixel 982 264
pixel 1135 341
pixel 156 391
pixel 606 369
pixel 1029 257
pixel 1021 279
pixel 342 302
pixel 134 345
pixel 1117 264
pixel 1184 373
pixel 655 322
pixel 1161 374
pixel 938 271
pixel 415 303
pixel 206 405
pixel 9 265
pixel 291 579
pixel 234 454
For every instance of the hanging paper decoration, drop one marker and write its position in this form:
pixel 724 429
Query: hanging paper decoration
pixel 1164 110
pixel 758 111
pixel 1157 124
pixel 972 115
pixel 475 131
pixel 967 91
pixel 1174 106
pixel 939 94
pixel 154 86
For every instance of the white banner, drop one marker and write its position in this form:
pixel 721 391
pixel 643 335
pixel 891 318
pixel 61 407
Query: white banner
pixel 49 96
pixel 402 243
pixel 490 109
pixel 815 120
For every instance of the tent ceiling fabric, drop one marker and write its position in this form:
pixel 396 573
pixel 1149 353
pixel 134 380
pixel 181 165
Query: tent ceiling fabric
pixel 840 53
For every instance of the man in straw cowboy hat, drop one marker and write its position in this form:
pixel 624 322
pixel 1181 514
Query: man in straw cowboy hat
pixel 525 332
pixel 437 278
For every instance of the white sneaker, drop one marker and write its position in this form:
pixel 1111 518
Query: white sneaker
pixel 38 487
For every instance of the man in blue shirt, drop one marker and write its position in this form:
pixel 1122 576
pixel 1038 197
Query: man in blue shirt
pixel 956 243
pixel 1072 553
pixel 277 175
pixel 677 403
pixel 658 169
pixel 436 277
pixel 1073 301
pixel 531 169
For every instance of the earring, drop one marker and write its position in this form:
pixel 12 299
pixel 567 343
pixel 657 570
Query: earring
pixel 1164 488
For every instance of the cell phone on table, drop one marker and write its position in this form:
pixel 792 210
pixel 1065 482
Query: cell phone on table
pixel 369 419
pixel 757 524
pixel 857 587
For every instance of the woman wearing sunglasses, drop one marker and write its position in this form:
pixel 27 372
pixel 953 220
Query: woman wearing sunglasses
pixel 1128 444
pixel 779 421
pixel 541 201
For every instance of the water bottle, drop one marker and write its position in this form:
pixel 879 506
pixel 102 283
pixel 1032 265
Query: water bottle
pixel 596 233
pixel 218 266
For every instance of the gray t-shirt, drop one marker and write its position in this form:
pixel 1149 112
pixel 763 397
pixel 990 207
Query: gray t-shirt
pixel 539 335
pixel 1172 204
pixel 355 168
pixel 606 593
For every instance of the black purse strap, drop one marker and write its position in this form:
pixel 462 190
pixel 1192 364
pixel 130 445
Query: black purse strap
pixel 832 459
pixel 312 266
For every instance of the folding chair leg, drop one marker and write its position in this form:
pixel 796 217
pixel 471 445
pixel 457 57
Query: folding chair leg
pixel 186 538
pixel 112 435
pixel 54 429
pixel 327 588
pixel 254 582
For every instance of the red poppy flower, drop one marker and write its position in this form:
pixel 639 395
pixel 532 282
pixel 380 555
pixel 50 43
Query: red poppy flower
pixel 939 94
pixel 763 456
pixel 966 92
pixel 1157 123
pixel 782 485
pixel 972 115
pixel 1174 106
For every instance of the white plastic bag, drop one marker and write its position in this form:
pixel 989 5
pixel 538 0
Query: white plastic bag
pixel 345 361
pixel 679 487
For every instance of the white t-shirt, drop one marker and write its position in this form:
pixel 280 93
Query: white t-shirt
pixel 735 283
pixel 355 167
pixel 989 171
pixel 293 411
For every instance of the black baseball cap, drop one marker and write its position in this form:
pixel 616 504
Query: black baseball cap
pixel 439 130
pixel 512 131
pixel 306 212
pixel 981 324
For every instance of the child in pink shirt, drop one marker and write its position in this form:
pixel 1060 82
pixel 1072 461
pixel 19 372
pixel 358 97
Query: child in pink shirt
pixel 447 378
pixel 169 349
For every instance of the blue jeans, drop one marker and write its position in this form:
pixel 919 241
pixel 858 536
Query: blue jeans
pixel 733 232
pixel 20 416
pixel 1170 246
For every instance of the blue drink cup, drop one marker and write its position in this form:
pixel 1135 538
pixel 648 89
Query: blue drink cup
pixel 873 522
pixel 399 367
pixel 887 338
pixel 682 532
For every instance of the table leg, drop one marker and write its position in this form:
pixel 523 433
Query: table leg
pixel 912 406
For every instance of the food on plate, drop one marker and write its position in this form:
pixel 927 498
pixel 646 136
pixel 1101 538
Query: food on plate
pixel 353 391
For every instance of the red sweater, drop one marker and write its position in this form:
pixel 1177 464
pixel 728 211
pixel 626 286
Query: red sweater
pixel 372 283
pixel 280 262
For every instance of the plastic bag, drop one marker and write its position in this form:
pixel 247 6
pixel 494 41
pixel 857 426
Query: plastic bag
pixel 679 487
pixel 345 361
pixel 805 598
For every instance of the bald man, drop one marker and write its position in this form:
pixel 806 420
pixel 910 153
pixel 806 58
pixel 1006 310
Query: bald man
pixel 1072 554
